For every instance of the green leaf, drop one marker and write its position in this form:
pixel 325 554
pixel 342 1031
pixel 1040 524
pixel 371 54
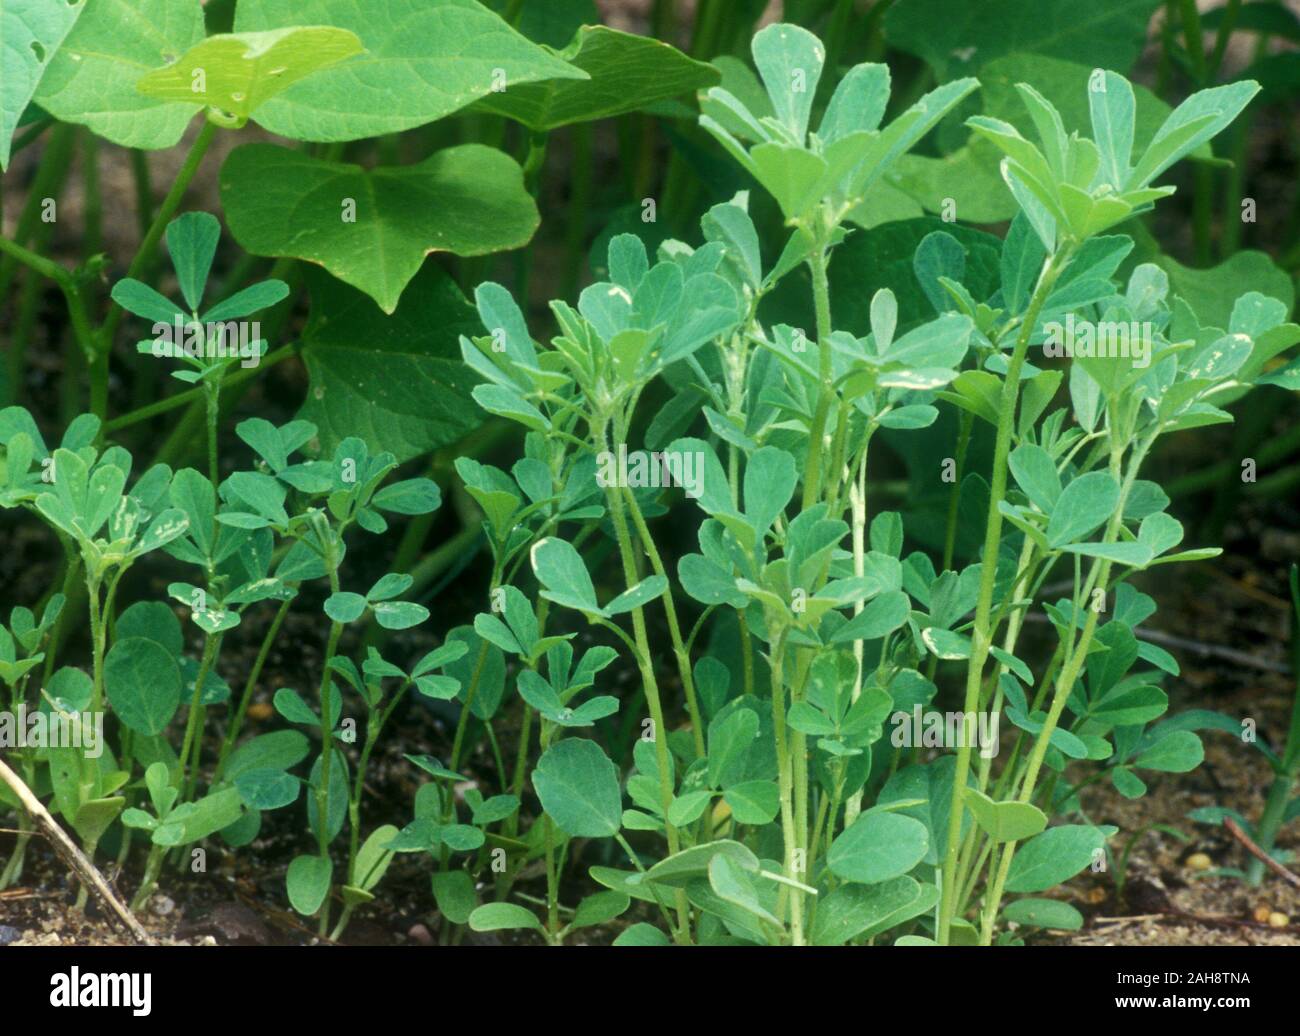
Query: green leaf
pixel 579 789
pixel 1035 472
pixel 1043 913
pixel 1212 293
pixel 848 911
pixel 1005 821
pixel 1199 118
pixel 956 40
pixel 685 866
pixel 30 35
pixel 237 74
pixel 627 73
pixel 421 63
pixel 877 847
pixel 561 570
pixel 345 606
pixel 753 802
pixel 642 934
pixel 192 242
pixel 396 381
pixel 91 80
pixel 154 621
pixel 879 618
pixel 138 298
pixel 267 788
pixel 1085 503
pixel 454 893
pixel 372 228
pixel 769 484
pixel 789 60
pixel 599 908
pixel 400 615
pixel 1054 856
pixel 308 880
pixel 1179 752
pixel 143 683
pixel 494 917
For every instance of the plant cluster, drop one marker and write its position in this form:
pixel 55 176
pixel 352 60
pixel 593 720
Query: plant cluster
pixel 788 673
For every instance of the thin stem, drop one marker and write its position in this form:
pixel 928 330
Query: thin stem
pixel 817 263
pixel 982 634
pixel 232 734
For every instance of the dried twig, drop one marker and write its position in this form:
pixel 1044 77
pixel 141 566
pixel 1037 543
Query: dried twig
pixel 73 856
pixel 1235 830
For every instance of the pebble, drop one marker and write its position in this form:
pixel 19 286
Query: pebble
pixel 9 934
pixel 163 905
pixel 420 934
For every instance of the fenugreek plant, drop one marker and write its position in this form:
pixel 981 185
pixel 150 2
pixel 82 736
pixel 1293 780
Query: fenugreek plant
pixel 786 814
pixel 712 679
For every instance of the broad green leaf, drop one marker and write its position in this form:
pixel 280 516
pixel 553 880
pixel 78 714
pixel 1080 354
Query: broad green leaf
pixel 237 74
pixel 955 40
pixel 494 917
pixel 753 802
pixel 1035 472
pixel 1213 293
pixel 91 80
pixel 879 618
pixel 1005 821
pixel 561 570
pixel 599 908
pixel 687 865
pixel 1054 856
pixel 153 620
pixel 1178 752
pixel 848 911
pixel 769 484
pixel 400 615
pixel 1043 913
pixel 30 36
pixel 395 381
pixel 627 73
pixel 422 62
pixel 454 893
pixel 789 60
pixel 733 884
pixel 877 847
pixel 579 789
pixel 372 228
pixel 1085 503
pixel 143 683
pixel 308 880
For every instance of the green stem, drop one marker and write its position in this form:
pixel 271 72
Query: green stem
pixel 250 684
pixel 817 263
pixel 651 686
pixel 981 634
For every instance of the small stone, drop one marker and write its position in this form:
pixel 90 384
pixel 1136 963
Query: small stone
pixel 1199 862
pixel 1277 919
pixel 9 934
pixel 163 905
pixel 420 934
